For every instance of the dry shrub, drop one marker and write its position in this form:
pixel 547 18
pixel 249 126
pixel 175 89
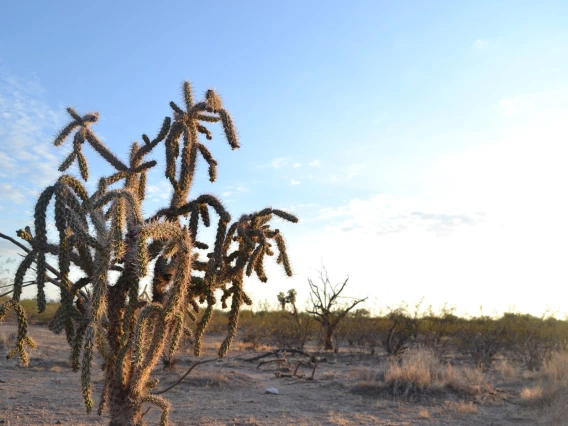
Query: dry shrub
pixel 416 372
pixel 419 372
pixel 550 396
pixel 504 369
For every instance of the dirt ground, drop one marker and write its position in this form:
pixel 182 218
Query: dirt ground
pixel 232 392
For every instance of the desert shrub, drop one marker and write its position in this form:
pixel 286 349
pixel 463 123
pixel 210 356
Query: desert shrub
pixel 360 332
pixel 403 329
pixel 257 329
pixel 35 317
pixel 482 338
pixel 293 328
pixel 437 331
pixel 530 340
pixel 292 331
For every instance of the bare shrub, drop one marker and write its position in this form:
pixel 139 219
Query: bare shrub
pixel 403 329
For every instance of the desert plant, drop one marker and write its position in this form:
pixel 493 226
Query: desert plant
pixel 483 338
pixel 531 340
pixel 438 329
pixel 105 232
pixel 404 328
pixel 296 327
pixel 328 306
pixel 550 395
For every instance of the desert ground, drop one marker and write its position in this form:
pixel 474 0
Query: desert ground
pixel 348 388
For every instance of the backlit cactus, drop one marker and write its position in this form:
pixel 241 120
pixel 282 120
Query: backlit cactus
pixel 106 231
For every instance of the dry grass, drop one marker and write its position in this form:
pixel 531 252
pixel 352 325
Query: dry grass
pixel 505 370
pixel 550 395
pixel 424 413
pixel 421 373
pixel 461 407
pixel 415 372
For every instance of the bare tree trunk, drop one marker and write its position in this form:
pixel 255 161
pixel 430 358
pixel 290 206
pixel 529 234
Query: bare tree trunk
pixel 328 342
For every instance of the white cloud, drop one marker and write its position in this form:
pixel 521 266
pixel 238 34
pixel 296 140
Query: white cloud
pixel 278 163
pixel 315 163
pixel 354 169
pixel 514 105
pixel 12 193
pixel 294 182
pixel 480 44
pixel 296 165
pixel 27 125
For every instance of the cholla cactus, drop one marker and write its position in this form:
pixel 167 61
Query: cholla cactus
pixel 106 232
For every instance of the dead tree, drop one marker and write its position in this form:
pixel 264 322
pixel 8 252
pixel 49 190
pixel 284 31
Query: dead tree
pixel 328 306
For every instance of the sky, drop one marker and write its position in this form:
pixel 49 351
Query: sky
pixel 421 144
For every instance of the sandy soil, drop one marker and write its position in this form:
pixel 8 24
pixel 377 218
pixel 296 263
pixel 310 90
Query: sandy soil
pixel 232 392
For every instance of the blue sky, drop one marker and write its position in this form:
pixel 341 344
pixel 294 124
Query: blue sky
pixel 422 144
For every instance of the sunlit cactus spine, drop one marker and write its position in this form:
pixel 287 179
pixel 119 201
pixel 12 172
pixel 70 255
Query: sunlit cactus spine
pixel 106 231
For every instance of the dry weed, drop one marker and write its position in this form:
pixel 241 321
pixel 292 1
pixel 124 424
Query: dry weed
pixel 424 413
pixel 419 373
pixel 461 407
pixel 505 370
pixel 550 396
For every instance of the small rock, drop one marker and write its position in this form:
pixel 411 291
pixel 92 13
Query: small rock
pixel 58 422
pixel 272 391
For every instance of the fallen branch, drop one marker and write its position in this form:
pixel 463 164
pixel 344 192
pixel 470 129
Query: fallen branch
pixel 278 352
pixel 195 364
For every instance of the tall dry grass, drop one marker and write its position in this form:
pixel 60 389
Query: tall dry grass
pixel 419 373
pixel 550 395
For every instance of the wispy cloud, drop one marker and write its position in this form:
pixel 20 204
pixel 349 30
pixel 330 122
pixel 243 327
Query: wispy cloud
pixel 315 163
pixel 354 169
pixel 296 165
pixel 294 182
pixel 386 214
pixel 27 126
pixel 480 44
pixel 12 193
pixel 512 106
pixel 278 163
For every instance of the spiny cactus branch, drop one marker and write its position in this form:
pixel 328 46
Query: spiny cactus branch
pixel 106 231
